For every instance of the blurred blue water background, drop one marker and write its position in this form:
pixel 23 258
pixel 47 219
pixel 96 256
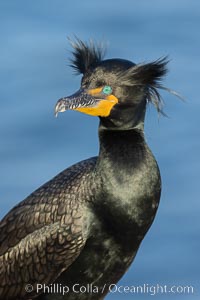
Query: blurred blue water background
pixel 35 146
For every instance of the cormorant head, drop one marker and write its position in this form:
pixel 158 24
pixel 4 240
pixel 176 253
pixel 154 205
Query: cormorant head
pixel 116 90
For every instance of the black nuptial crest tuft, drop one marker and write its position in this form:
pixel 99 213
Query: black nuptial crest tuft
pixel 85 55
pixel 149 75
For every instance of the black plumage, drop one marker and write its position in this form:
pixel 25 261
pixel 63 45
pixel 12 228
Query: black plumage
pixel 85 225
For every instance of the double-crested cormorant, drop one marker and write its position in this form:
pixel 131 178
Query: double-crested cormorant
pixel 83 228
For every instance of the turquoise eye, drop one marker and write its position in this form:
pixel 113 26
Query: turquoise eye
pixel 107 90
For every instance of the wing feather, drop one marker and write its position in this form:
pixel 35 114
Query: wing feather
pixel 45 233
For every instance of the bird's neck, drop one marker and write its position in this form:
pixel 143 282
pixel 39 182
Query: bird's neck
pixel 121 149
pixel 123 154
pixel 129 175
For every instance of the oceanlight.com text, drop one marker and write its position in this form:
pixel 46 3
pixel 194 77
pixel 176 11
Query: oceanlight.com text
pixel 77 288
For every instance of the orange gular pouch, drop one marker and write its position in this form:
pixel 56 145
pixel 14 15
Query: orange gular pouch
pixel 94 102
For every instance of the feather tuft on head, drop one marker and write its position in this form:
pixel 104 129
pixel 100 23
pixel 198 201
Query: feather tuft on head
pixel 149 75
pixel 85 55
